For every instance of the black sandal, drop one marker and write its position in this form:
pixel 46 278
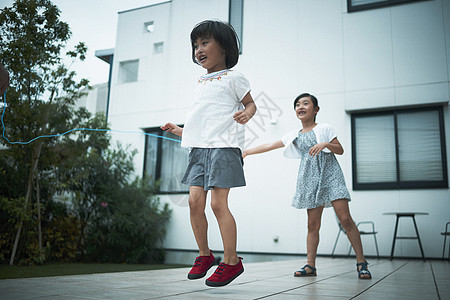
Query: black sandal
pixel 304 273
pixel 363 271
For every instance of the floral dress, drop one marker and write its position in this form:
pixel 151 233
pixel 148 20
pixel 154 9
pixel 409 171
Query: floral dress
pixel 320 179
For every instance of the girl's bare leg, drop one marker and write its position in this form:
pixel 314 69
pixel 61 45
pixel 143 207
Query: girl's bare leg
pixel 343 213
pixel 312 238
pixel 199 223
pixel 227 224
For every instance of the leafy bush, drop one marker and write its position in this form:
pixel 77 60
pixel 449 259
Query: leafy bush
pixel 105 218
pixel 121 220
pixel 129 226
pixel 60 232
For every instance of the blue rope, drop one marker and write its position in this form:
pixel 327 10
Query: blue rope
pixel 75 129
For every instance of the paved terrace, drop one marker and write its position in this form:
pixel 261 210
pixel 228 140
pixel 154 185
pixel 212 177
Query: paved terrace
pixel 337 279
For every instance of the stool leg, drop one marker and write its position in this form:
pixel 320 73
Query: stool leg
pixel 443 250
pixel 418 238
pixel 395 237
pixel 448 257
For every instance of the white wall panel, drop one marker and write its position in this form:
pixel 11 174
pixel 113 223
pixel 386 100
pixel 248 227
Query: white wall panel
pixel 387 57
pixel 320 67
pixel 368 55
pixel 418 43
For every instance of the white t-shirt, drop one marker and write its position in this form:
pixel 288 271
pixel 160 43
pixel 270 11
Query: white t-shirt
pixel 324 133
pixel 210 123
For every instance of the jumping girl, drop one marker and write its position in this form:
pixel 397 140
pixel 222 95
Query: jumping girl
pixel 214 132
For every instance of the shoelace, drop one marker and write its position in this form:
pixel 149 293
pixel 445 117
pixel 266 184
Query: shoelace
pixel 198 261
pixel 220 269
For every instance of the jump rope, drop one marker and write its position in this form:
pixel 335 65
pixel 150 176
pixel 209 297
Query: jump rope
pixel 75 129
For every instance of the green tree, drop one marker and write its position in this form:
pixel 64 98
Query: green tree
pixel 111 216
pixel 40 102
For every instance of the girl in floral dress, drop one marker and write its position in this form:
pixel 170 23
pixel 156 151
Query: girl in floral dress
pixel 320 181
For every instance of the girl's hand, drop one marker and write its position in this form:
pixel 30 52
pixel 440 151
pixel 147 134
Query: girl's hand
pixel 170 127
pixel 244 153
pixel 316 149
pixel 241 117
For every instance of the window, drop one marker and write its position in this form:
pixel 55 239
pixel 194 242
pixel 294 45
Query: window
pixel 158 47
pixel 236 15
pixel 358 5
pixel 399 149
pixel 149 26
pixel 128 71
pixel 165 161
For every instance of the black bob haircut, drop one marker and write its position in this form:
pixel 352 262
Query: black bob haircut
pixel 221 32
pixel 313 99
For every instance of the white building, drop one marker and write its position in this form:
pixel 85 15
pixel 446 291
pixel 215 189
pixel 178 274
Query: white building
pixel 95 99
pixel 385 69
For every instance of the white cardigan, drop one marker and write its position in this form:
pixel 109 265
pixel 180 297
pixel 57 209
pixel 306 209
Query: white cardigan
pixel 324 133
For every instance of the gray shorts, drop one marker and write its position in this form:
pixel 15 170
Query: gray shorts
pixel 215 167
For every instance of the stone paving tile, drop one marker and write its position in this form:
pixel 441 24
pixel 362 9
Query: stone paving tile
pixel 336 280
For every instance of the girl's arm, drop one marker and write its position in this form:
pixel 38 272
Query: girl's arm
pixel 170 127
pixel 243 116
pixel 263 148
pixel 334 146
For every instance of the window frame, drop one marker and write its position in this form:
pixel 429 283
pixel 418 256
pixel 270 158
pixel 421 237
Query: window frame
pixel 398 184
pixel 381 3
pixel 240 32
pixel 159 132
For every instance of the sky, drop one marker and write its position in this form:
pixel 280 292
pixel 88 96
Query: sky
pixel 93 22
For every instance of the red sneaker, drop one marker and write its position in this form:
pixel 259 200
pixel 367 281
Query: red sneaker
pixel 225 274
pixel 201 266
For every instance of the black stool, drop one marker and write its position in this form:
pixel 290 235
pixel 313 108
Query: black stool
pixel 417 237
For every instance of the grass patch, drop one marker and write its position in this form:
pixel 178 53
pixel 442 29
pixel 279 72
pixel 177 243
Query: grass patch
pixel 61 269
